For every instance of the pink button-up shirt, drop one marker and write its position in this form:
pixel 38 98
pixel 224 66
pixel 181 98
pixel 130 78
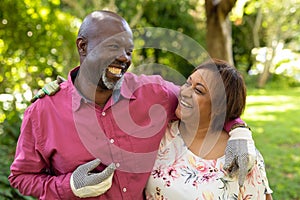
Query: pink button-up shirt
pixel 63 131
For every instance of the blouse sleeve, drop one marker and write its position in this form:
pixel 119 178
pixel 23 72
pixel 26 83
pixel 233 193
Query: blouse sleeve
pixel 172 146
pixel 262 169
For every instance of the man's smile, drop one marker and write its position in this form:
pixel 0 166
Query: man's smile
pixel 117 69
pixel 114 70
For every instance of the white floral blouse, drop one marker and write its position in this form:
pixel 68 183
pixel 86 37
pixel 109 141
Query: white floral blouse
pixel 180 174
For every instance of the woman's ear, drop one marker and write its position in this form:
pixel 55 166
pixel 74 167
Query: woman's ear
pixel 81 46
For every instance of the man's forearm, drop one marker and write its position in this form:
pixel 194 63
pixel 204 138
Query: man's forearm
pixel 42 185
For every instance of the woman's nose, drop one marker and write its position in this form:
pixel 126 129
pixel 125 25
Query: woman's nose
pixel 186 91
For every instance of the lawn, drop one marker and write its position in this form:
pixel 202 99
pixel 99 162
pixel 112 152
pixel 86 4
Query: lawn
pixel 274 117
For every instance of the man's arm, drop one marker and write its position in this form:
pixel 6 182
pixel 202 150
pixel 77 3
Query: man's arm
pixel 30 173
pixel 32 176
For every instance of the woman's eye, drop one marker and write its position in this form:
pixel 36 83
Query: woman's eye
pixel 198 91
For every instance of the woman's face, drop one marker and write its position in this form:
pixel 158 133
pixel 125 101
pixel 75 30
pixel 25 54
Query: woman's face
pixel 194 99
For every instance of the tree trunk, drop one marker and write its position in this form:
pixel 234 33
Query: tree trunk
pixel 218 36
pixel 263 78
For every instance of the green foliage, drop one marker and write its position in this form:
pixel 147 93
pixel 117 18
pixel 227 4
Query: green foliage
pixel 168 15
pixel 37 35
pixel 9 132
pixel 282 81
pixel 241 47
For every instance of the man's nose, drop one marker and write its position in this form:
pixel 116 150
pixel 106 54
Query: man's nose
pixel 124 56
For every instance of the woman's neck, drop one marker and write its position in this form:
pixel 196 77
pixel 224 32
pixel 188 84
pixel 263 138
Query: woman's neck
pixel 203 142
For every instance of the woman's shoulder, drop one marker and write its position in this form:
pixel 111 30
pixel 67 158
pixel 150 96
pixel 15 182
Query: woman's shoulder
pixel 172 143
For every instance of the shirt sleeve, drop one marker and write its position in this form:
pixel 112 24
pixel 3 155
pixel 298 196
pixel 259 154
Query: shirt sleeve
pixel 228 125
pixel 30 170
pixel 173 91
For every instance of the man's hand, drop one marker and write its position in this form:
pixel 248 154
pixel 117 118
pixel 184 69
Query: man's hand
pixel 240 154
pixel 49 89
pixel 84 183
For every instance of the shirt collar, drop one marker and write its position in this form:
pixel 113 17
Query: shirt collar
pixel 127 90
pixel 76 97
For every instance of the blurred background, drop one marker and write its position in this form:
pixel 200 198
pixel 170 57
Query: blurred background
pixel 261 38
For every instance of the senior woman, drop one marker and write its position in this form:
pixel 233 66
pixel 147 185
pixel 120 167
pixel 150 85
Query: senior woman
pixel 191 157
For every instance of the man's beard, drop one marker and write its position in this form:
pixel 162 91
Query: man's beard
pixel 111 85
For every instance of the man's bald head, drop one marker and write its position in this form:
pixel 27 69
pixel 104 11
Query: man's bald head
pixel 97 27
pixel 96 20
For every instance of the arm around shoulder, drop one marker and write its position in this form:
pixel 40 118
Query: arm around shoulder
pixel 49 89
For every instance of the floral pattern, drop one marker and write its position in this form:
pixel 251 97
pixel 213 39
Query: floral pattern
pixel 179 174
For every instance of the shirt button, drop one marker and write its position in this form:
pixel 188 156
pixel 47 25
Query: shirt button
pixel 103 113
pixel 111 141
pixel 124 189
pixel 117 164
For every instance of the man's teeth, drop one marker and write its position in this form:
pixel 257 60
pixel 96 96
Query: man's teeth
pixel 114 70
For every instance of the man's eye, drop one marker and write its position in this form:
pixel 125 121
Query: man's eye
pixel 114 46
pixel 129 51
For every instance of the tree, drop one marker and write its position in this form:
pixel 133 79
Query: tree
pixel 266 41
pixel 218 36
pixel 280 24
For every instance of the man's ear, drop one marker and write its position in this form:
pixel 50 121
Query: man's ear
pixel 81 46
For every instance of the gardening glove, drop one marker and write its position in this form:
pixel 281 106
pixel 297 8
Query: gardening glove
pixel 49 89
pixel 84 183
pixel 240 154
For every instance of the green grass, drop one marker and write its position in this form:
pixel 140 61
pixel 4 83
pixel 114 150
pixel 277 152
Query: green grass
pixel 274 117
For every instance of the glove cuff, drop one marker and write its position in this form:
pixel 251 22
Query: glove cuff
pixel 91 190
pixel 240 133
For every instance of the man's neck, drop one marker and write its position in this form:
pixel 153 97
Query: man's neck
pixel 91 91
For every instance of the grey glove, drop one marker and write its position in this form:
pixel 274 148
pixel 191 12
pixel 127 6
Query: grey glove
pixel 240 154
pixel 49 89
pixel 86 184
